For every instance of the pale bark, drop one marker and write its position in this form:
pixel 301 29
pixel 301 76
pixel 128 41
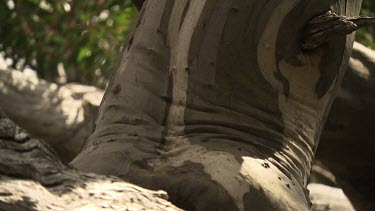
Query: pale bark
pixel 32 178
pixel 60 115
pixel 326 198
pixel 212 99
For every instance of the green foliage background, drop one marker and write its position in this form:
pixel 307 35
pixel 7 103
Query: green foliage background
pixel 366 35
pixel 86 36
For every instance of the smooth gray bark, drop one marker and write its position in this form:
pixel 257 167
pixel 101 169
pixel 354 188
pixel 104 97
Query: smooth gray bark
pixel 213 100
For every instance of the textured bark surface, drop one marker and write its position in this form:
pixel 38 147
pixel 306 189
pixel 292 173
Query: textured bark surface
pixel 60 115
pixel 330 26
pixel 213 100
pixel 32 178
pixel 347 144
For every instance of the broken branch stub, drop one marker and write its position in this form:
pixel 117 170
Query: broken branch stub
pixel 328 26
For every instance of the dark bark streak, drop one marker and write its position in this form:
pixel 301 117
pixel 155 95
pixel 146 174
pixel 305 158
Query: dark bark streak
pixel 168 100
pixel 163 28
pixel 184 13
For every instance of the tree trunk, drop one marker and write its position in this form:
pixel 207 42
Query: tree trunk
pixel 47 184
pixel 215 102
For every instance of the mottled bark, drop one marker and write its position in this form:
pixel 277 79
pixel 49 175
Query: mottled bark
pixel 215 102
pixel 348 125
pixel 354 108
pixel 32 178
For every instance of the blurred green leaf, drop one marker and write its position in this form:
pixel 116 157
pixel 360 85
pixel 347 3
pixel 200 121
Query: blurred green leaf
pixel 83 53
pixel 366 35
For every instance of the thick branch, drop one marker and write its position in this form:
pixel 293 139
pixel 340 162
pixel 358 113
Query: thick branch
pixel 32 178
pixel 328 26
pixel 60 115
pixel 328 198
